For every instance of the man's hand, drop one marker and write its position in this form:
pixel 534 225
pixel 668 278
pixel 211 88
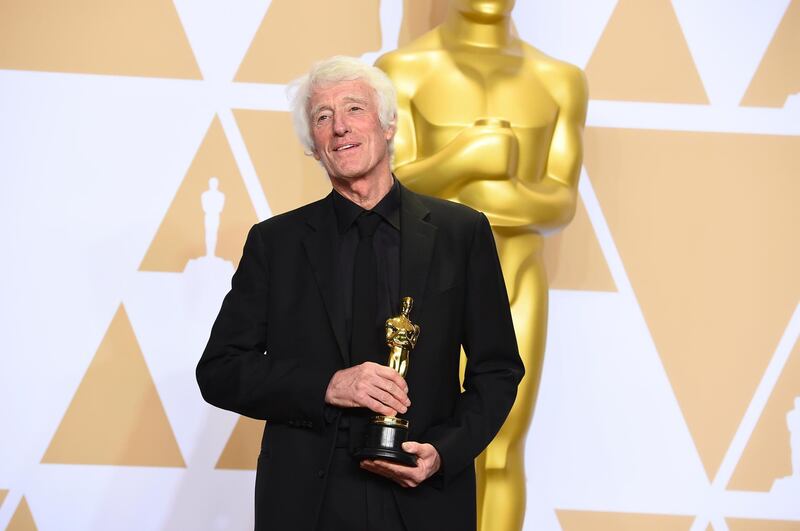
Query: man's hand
pixel 369 385
pixel 428 463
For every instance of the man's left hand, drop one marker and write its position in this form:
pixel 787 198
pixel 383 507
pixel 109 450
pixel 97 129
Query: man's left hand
pixel 428 463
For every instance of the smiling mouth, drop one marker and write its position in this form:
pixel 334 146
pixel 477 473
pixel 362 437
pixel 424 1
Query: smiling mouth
pixel 345 147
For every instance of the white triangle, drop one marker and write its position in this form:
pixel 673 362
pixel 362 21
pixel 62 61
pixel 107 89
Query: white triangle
pixel 558 30
pixel 727 41
pixel 172 314
pixel 220 33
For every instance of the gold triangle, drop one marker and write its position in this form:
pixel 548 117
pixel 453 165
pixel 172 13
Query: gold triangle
pixel 643 56
pixel 777 76
pixel 244 445
pixel 181 236
pixel 712 258
pixel 606 521
pixel 420 16
pixel 22 519
pixel 742 524
pixel 143 38
pixel 573 258
pixel 3 494
pixel 116 416
pixel 281 51
pixel 767 455
pixel 288 176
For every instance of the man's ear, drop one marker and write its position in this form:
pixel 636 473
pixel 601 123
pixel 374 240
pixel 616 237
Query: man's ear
pixel 390 130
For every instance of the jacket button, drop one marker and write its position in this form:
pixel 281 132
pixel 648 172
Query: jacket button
pixel 320 474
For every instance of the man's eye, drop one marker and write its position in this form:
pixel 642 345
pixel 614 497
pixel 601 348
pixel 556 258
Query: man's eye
pixel 356 108
pixel 322 118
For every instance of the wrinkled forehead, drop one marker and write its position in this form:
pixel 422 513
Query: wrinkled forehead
pixel 337 92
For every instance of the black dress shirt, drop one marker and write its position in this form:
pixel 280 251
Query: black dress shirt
pixel 386 243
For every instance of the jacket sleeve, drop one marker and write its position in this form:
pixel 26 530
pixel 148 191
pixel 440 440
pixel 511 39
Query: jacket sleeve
pixel 494 368
pixel 236 373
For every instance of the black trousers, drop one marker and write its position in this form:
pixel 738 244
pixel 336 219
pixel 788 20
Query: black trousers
pixel 357 500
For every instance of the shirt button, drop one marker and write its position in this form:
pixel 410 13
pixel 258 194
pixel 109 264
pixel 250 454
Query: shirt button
pixel 320 474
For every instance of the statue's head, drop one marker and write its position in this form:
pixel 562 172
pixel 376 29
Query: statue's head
pixel 213 183
pixel 484 10
pixel 406 305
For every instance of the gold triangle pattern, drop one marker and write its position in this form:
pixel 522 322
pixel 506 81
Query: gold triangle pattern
pixel 594 520
pixel 777 76
pixel 742 524
pixel 689 252
pixel 573 258
pixel 643 56
pixel 143 38
pixel 22 519
pixel 182 233
pixel 116 416
pixel 243 446
pixel 281 52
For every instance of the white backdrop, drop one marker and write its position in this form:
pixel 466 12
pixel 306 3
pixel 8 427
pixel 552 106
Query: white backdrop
pixel 93 162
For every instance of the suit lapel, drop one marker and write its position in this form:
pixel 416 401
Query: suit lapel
pixel 417 239
pixel 321 252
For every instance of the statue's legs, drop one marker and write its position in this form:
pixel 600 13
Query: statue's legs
pixel 501 467
pixel 211 227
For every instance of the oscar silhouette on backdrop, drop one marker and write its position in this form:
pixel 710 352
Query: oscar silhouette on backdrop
pixel 212 201
pixel 486 120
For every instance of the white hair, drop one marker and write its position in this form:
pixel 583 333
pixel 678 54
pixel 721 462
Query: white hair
pixel 334 70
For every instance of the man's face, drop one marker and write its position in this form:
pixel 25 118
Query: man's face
pixel 348 137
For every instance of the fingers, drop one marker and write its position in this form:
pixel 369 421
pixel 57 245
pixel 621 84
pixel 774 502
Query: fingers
pixel 384 386
pixel 369 385
pixel 405 476
pixel 391 394
pixel 428 463
pixel 378 407
pixel 414 448
pixel 392 376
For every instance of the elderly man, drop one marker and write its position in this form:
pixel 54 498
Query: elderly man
pixel 299 339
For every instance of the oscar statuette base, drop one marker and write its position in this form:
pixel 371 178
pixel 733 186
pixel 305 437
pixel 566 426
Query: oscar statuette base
pixel 384 440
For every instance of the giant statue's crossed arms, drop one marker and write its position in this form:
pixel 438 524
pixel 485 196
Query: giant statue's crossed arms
pixel 489 121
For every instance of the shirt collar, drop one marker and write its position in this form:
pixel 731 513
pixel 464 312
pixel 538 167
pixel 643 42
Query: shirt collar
pixel 388 208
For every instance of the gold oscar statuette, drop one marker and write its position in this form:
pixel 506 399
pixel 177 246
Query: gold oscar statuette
pixel 385 435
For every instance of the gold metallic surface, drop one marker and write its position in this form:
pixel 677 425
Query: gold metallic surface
pixel 390 421
pixel 401 336
pixel 486 120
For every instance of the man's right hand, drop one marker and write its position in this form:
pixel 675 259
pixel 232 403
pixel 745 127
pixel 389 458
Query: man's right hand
pixel 369 385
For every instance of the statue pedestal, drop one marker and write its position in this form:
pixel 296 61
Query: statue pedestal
pixel 209 266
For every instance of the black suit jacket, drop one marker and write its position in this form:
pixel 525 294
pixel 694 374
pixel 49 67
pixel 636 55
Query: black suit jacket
pixel 279 339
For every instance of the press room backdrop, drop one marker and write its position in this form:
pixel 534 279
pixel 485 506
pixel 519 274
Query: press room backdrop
pixel 673 356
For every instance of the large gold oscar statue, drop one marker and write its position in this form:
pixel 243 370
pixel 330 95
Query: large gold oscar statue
pixel 486 120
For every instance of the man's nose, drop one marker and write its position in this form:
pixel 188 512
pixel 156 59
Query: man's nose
pixel 340 125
